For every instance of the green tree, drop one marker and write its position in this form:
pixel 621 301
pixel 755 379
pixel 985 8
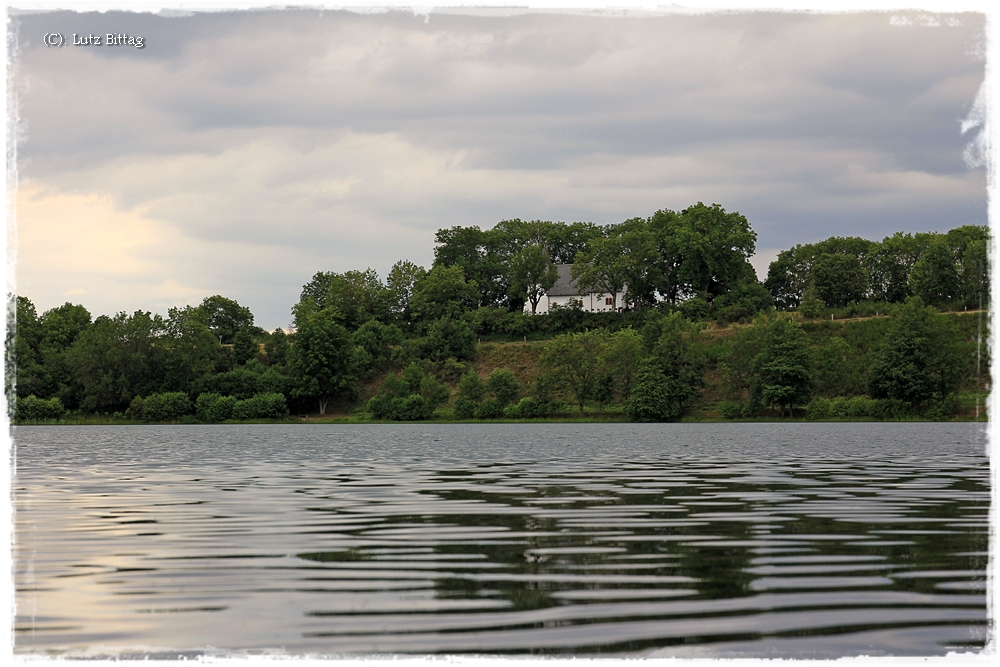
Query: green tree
pixel 358 297
pixel 450 338
pixel 672 376
pixel 532 274
pixel 575 360
pixel 839 371
pixel 811 305
pixel 190 348
pixel 276 347
pixel 934 277
pixel 918 359
pixel 715 246
pixel 658 396
pixel 117 358
pixel 783 370
pixel 403 277
pixel 504 386
pixel 471 387
pixel 623 356
pixel 322 355
pixel 889 263
pixel 226 317
pixel 443 292
pixel 838 279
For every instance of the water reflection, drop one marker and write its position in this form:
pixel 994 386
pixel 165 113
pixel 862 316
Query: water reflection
pixel 490 543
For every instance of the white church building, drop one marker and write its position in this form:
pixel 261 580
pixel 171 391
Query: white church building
pixel 565 291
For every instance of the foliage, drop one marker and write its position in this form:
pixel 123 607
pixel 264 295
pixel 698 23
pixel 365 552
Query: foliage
pixel 491 408
pixel 918 359
pixel 857 407
pixel 115 359
pixel 443 292
pixel 532 274
pixel 504 386
pixel 783 369
pixel 623 355
pixel 838 279
pixel 411 396
pixel 225 317
pixel 574 361
pixel 31 408
pixel 450 338
pixel 167 406
pixel 657 397
pixel 276 347
pixel 471 387
pixel 323 357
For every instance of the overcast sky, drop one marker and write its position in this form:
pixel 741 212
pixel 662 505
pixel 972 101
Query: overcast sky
pixel 238 153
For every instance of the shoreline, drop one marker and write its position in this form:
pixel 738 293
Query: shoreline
pixel 567 420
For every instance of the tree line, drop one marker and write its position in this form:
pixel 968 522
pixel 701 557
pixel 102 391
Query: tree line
pixel 405 347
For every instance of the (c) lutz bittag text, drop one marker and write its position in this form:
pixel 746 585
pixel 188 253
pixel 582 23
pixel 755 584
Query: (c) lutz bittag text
pixel 108 39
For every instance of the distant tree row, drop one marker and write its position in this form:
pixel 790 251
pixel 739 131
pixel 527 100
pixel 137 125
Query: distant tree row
pixel 942 269
pixel 352 330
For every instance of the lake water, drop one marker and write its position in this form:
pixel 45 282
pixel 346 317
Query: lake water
pixel 796 540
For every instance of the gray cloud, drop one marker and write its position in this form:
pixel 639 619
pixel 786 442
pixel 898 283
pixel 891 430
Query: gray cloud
pixel 331 140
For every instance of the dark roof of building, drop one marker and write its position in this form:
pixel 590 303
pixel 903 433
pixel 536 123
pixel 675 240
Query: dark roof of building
pixel 564 284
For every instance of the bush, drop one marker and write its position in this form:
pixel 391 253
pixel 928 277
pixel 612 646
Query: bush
pixel 211 407
pixel 655 397
pixel 818 408
pixel 729 410
pixel 695 309
pixel 491 408
pixel 32 408
pixel 169 406
pixel 528 408
pixel 464 408
pixel 261 406
pixel 504 386
pixel 450 338
pixel 857 406
pixel 410 408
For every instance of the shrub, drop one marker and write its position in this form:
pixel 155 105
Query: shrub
pixel 471 387
pixel 32 408
pixel 212 407
pixel 818 408
pixel 168 406
pixel 464 408
pixel 504 386
pixel 528 408
pixel 729 410
pixel 450 338
pixel 434 392
pixel 260 406
pixel 410 408
pixel 491 408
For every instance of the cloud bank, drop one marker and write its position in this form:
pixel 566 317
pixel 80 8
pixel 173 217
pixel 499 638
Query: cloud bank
pixel 240 152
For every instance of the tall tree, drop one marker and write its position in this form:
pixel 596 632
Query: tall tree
pixel 715 246
pixel 191 349
pixel 532 274
pixel 402 278
pixel 918 359
pixel 322 354
pixel 117 359
pixel 226 317
pixel 443 292
pixel 935 277
pixel 839 279
pixel 783 370
pixel 575 360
